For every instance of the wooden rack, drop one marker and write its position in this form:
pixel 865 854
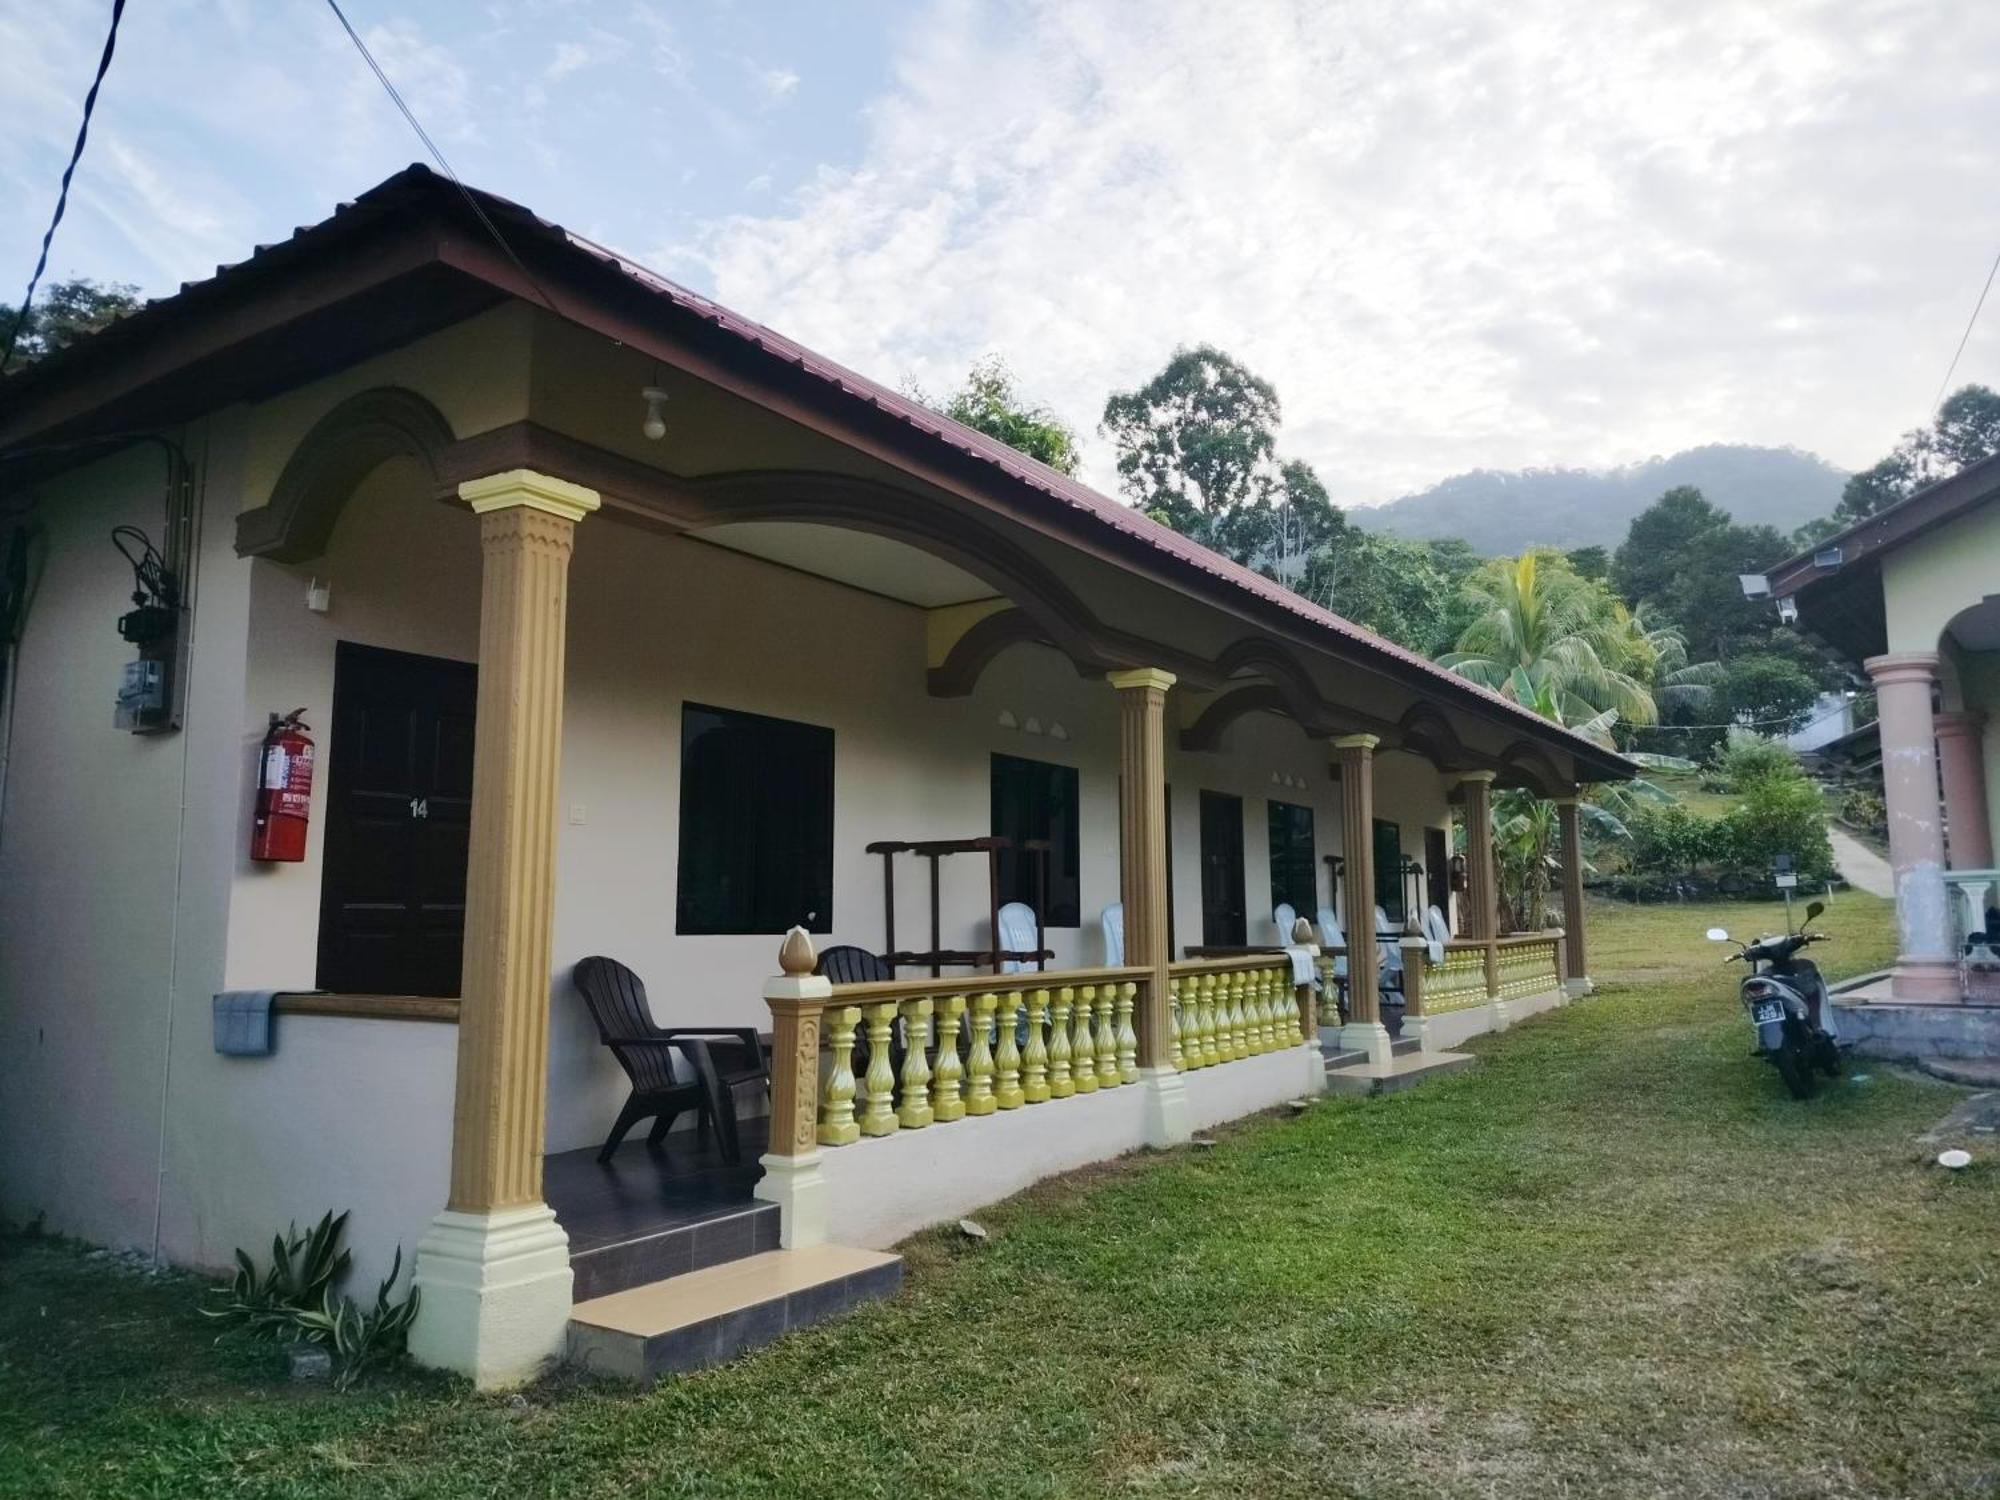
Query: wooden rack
pixel 936 851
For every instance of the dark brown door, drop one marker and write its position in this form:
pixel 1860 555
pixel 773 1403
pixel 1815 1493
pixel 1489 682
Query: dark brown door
pixel 398 809
pixel 1222 922
pixel 1437 871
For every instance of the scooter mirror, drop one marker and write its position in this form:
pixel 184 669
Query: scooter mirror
pixel 1718 934
pixel 1813 909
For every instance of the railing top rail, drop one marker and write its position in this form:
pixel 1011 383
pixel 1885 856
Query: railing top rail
pixel 1525 939
pixel 1268 958
pixel 978 984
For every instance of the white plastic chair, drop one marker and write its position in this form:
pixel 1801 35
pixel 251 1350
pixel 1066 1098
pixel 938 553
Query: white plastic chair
pixel 1113 923
pixel 1017 934
pixel 1284 916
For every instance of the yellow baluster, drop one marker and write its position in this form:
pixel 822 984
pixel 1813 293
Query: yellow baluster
pixel 915 1112
pixel 1238 1023
pixel 1007 1090
pixel 836 1096
pixel 1128 1036
pixel 1035 1060
pixel 1211 1019
pixel 1107 1037
pixel 948 1074
pixel 979 1069
pixel 1082 1051
pixel 1267 1014
pixel 1255 1012
pixel 1061 1084
pixel 878 1089
pixel 1174 1023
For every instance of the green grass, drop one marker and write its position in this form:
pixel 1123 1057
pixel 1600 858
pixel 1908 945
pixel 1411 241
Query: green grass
pixel 1611 1260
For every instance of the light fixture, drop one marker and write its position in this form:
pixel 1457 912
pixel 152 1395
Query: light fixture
pixel 1007 719
pixel 1033 726
pixel 655 425
pixel 1788 610
pixel 1057 732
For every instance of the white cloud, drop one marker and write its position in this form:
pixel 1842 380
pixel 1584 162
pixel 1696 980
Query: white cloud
pixel 1453 234
pixel 777 84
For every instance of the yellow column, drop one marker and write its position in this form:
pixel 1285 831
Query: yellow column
pixel 1481 894
pixel 1575 956
pixel 494 1266
pixel 1142 812
pixel 1354 759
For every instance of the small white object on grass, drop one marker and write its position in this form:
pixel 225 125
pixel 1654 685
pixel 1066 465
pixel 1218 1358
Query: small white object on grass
pixel 1300 1106
pixel 1203 1143
pixel 1954 1159
pixel 972 1229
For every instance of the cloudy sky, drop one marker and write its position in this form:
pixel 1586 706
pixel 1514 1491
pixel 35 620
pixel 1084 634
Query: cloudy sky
pixel 1455 234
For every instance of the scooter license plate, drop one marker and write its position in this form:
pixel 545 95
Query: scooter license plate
pixel 1762 1011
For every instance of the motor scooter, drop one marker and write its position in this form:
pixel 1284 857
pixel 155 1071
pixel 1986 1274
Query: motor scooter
pixel 1787 1004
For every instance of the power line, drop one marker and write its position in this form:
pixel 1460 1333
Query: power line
pixel 62 196
pixel 437 153
pixel 1952 368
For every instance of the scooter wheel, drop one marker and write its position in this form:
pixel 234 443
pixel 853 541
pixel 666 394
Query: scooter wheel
pixel 1795 1067
pixel 1826 1053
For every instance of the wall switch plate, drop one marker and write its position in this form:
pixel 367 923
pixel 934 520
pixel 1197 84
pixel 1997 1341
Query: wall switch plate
pixel 576 811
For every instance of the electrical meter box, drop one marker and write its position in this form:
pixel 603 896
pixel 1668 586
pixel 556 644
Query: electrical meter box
pixel 142 695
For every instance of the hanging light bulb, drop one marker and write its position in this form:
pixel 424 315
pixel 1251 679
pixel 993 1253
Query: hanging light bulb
pixel 655 425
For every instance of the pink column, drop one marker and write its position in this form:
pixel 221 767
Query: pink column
pixel 1926 968
pixel 1963 771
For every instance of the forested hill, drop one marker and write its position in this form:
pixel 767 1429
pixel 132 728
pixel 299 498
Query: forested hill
pixel 1502 512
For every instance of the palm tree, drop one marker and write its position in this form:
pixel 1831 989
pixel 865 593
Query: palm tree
pixel 1552 640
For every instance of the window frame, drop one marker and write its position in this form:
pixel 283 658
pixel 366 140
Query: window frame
pixel 1301 878
pixel 1014 875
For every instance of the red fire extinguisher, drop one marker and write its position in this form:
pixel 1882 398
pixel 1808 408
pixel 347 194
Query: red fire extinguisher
pixel 284 790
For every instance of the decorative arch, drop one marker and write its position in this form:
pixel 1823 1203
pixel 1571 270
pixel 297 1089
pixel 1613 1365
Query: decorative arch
pixel 976 650
pixel 1427 732
pixel 343 448
pixel 1529 767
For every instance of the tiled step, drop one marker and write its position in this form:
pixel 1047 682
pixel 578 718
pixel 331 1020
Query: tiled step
pixel 1338 1059
pixel 1405 1046
pixel 1402 1072
pixel 715 1237
pixel 704 1317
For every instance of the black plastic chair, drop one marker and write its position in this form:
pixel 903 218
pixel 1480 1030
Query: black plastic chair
pixel 671 1068
pixel 844 963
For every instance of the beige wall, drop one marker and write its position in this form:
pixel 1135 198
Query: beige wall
pixel 1927 581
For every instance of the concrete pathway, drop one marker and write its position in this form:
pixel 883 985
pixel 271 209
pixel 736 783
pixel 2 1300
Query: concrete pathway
pixel 1864 868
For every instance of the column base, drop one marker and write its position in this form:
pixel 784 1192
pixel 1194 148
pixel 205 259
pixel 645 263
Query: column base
pixel 1168 1121
pixel 496 1294
pixel 1932 980
pixel 1502 1016
pixel 1576 989
pixel 1420 1028
pixel 1315 1066
pixel 1369 1037
pixel 798 1187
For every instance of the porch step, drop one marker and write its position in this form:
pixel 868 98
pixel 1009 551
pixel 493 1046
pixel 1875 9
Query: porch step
pixel 1403 1071
pixel 1405 1046
pixel 705 1317
pixel 1339 1059
pixel 709 1237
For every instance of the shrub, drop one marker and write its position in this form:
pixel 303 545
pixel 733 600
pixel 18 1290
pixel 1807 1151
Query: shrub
pixel 1747 759
pixel 1669 840
pixel 1864 809
pixel 1778 815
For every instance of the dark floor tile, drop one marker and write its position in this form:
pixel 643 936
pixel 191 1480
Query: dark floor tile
pixel 749 1327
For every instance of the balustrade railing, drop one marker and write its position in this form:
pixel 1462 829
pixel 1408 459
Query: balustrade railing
pixel 1458 983
pixel 1529 964
pixel 1221 1009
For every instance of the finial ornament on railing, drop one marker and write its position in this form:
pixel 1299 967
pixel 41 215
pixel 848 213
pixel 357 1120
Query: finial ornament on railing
pixel 1302 931
pixel 797 957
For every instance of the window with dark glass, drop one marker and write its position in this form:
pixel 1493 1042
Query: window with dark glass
pixel 1292 879
pixel 1035 805
pixel 1222 885
pixel 1389 870
pixel 756 824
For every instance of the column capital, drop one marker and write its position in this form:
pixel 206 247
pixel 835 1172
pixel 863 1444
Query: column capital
pixel 515 488
pixel 1902 666
pixel 1127 678
pixel 1356 741
pixel 1568 799
pixel 1489 777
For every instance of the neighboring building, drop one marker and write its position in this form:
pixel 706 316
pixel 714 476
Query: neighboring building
pixel 580 689
pixel 1913 595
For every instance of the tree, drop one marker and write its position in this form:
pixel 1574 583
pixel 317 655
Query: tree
pixel 1768 691
pixel 1679 562
pixel 1198 442
pixel 1590 562
pixel 1965 430
pixel 1552 641
pixel 989 402
pixel 67 311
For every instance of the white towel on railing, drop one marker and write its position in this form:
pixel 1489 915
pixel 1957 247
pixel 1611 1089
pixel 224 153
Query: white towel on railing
pixel 1304 970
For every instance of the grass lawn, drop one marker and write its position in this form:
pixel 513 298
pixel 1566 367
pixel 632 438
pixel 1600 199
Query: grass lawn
pixel 1614 1259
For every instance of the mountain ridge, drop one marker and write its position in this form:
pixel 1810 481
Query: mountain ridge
pixel 1502 511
